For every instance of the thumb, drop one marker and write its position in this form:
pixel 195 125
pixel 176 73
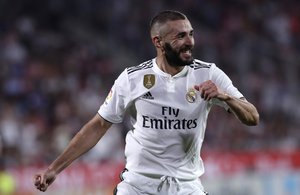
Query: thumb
pixel 42 179
pixel 43 183
pixel 37 179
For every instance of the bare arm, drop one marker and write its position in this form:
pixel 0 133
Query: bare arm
pixel 83 141
pixel 242 109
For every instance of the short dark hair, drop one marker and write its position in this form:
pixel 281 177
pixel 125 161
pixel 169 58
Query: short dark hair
pixel 165 16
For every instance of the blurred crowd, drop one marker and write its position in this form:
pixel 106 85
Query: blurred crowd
pixel 58 60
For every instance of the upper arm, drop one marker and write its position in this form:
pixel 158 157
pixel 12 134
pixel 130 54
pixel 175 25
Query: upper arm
pixel 224 82
pixel 115 104
pixel 97 125
pixel 101 123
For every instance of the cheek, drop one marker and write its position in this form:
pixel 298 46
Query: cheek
pixel 175 43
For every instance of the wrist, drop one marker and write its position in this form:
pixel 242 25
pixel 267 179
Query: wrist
pixel 53 169
pixel 225 97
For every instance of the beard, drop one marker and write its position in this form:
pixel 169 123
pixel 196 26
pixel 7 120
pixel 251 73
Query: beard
pixel 173 56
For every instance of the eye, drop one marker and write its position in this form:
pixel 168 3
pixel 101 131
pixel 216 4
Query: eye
pixel 191 33
pixel 181 35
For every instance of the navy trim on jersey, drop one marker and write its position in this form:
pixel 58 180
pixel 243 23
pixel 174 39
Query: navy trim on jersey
pixel 105 119
pixel 115 191
pixel 145 65
pixel 197 64
pixel 121 174
pixel 121 178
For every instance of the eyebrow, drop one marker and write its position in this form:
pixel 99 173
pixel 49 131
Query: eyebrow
pixel 184 33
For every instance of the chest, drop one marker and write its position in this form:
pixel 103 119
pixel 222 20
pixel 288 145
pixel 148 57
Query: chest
pixel 171 98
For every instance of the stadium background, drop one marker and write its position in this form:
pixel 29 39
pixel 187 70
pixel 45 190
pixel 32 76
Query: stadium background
pixel 58 60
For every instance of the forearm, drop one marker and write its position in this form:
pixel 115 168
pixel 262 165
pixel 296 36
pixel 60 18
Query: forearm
pixel 82 142
pixel 243 110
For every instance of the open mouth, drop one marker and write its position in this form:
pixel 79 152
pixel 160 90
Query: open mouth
pixel 187 53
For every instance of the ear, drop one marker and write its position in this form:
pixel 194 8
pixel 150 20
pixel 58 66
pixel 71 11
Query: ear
pixel 156 40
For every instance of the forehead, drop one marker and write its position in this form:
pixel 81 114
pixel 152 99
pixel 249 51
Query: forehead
pixel 177 26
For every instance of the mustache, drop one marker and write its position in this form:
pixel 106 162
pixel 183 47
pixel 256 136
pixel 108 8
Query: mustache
pixel 187 47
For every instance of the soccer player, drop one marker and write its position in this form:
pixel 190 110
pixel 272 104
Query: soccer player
pixel 169 98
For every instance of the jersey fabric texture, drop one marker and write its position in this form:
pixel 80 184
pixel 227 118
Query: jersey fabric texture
pixel 169 116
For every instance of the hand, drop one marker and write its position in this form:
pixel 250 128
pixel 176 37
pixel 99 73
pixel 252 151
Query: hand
pixel 209 90
pixel 43 180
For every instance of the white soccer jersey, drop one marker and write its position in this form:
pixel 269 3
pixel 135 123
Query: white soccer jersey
pixel 170 116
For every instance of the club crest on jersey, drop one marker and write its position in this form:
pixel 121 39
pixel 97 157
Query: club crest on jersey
pixel 149 80
pixel 191 95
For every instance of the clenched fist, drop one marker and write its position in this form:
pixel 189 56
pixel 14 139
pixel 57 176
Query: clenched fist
pixel 43 180
pixel 209 90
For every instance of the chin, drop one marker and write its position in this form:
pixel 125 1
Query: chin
pixel 189 61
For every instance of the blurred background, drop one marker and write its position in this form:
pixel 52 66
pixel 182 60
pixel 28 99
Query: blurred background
pixel 58 60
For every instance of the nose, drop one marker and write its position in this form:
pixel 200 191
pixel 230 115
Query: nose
pixel 190 41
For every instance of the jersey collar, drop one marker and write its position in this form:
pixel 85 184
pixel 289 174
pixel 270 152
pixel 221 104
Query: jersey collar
pixel 157 70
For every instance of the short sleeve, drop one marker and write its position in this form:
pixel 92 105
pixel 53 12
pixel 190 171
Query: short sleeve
pixel 224 83
pixel 117 100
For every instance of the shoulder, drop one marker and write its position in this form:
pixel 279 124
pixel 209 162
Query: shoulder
pixel 202 69
pixel 134 74
pixel 140 68
pixel 198 64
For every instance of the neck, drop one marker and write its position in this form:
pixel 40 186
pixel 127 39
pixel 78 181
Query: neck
pixel 163 64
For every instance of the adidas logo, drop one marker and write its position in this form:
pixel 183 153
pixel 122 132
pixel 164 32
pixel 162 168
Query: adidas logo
pixel 148 96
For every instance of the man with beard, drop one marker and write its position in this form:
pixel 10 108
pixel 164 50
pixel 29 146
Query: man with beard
pixel 169 98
